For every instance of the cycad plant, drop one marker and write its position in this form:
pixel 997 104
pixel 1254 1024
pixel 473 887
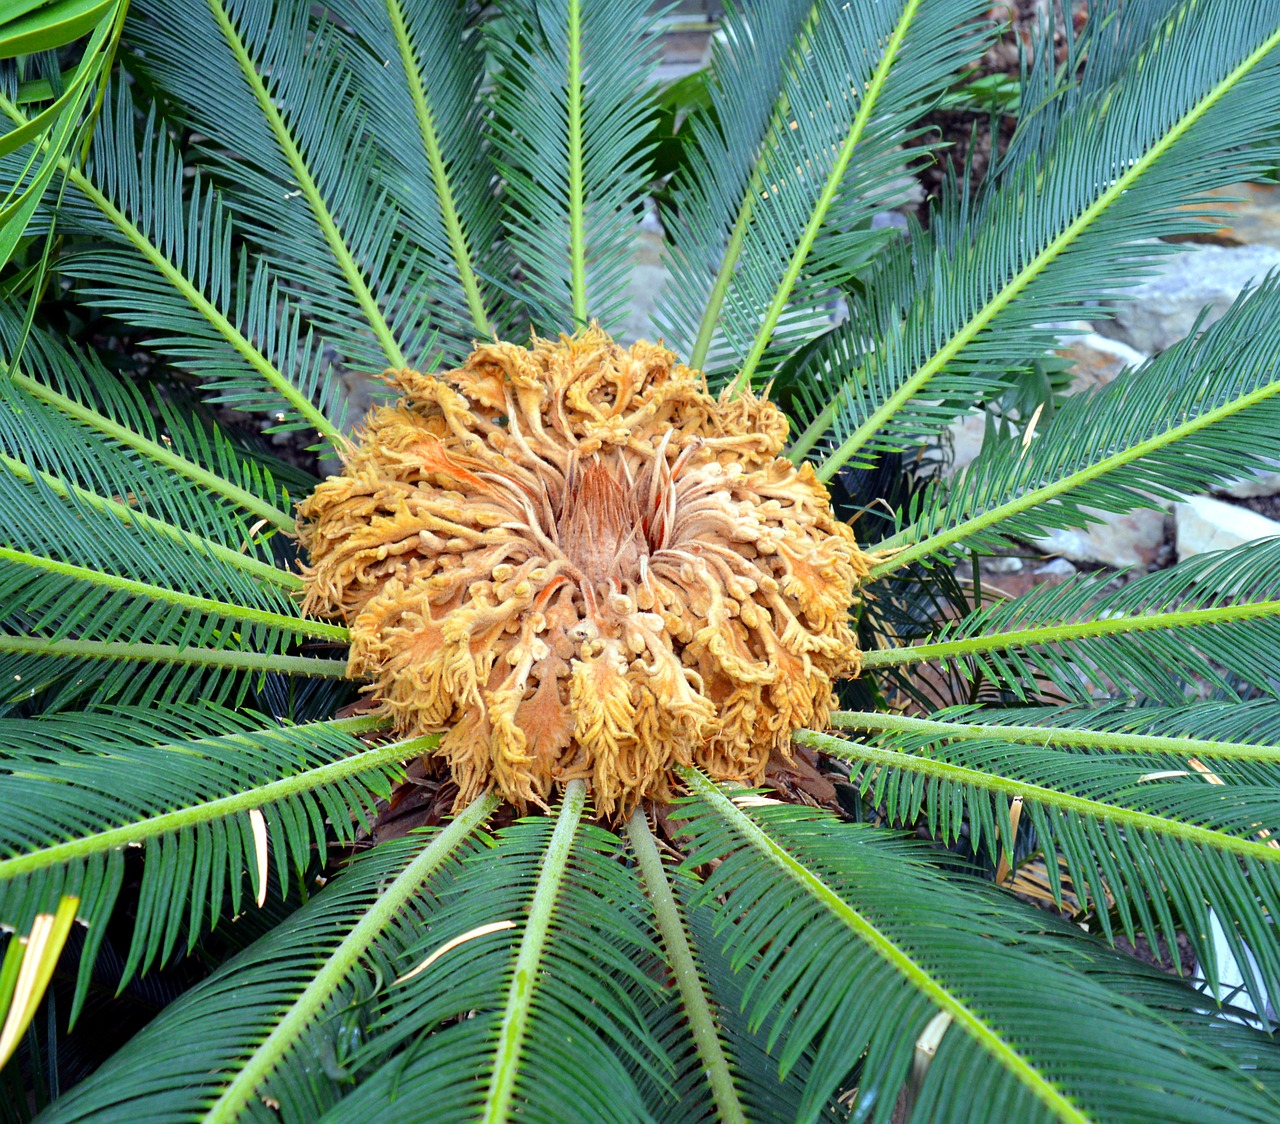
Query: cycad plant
pixel 597 598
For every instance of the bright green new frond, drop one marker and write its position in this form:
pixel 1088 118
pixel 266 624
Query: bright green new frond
pixel 33 142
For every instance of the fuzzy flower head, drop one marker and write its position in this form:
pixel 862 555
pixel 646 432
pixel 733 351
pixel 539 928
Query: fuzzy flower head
pixel 576 562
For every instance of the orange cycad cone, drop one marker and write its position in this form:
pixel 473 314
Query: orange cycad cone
pixel 577 563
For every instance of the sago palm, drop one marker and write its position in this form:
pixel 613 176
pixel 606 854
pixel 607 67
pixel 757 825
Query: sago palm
pixel 598 598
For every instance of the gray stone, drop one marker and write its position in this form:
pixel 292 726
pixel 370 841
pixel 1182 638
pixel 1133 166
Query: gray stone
pixel 1162 310
pixel 1248 214
pixel 1055 568
pixel 649 276
pixel 1132 539
pixel 1263 483
pixel 1097 360
pixel 1204 524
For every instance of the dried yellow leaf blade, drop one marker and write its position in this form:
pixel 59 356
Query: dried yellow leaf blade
pixel 38 955
pixel 258 822
pixel 449 946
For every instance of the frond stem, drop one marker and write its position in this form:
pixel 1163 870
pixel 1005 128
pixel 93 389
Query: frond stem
pixel 577 229
pixel 702 1023
pixel 152 450
pixel 746 208
pixel 301 625
pixel 129 516
pixel 1053 736
pixel 1063 801
pixel 171 653
pixel 1059 633
pixel 900 961
pixel 206 811
pixel 524 978
pixel 1037 265
pixel 293 1023
pixel 439 172
pixel 307 185
pixel 1037 496
pixel 831 188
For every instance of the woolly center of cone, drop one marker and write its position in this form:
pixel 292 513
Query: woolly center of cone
pixel 574 562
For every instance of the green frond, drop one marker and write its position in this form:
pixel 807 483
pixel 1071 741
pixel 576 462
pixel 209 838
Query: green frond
pixel 714 192
pixel 1126 160
pixel 289 1030
pixel 1151 836
pixel 1204 412
pixel 577 969
pixel 349 1001
pixel 1154 635
pixel 570 113
pixel 418 71
pixel 78 422
pixel 850 941
pixel 692 987
pixel 70 813
pixel 302 184
pixel 824 156
pixel 183 1061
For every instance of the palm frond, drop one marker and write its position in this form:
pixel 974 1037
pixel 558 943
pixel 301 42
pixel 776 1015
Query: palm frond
pixel 62 412
pixel 842 102
pixel 1124 162
pixel 850 940
pixel 1156 634
pixel 570 114
pixel 70 812
pixel 579 948
pixel 244 76
pixel 419 73
pixel 186 1060
pixel 1149 835
pixel 1200 414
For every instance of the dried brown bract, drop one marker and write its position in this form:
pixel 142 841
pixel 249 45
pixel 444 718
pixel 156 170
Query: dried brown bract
pixel 578 563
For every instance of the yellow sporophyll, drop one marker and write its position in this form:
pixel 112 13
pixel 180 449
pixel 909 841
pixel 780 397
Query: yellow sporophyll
pixel 576 562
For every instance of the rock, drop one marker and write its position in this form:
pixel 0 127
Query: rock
pixel 967 433
pixel 1055 571
pixel 1263 483
pixel 1132 539
pixel 649 276
pixel 1003 564
pixel 1162 310
pixel 1097 360
pixel 1250 214
pixel 1204 524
